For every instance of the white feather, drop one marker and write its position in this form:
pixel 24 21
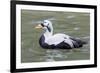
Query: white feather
pixel 58 38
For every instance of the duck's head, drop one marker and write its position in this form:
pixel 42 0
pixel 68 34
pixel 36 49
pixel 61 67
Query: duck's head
pixel 46 25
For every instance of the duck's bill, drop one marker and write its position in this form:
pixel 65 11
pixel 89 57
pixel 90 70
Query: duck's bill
pixel 38 26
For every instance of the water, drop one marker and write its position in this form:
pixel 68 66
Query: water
pixel 70 23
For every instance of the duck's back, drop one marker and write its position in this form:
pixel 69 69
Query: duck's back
pixel 56 39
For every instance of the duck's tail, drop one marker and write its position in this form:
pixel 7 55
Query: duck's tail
pixel 84 42
pixel 78 43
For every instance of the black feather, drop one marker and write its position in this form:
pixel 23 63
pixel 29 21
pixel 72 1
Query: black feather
pixel 77 42
pixel 48 29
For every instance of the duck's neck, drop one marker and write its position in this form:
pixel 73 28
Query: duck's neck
pixel 48 33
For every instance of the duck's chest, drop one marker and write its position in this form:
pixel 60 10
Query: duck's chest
pixel 42 42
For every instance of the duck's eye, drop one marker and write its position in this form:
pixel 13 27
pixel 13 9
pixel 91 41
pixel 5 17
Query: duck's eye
pixel 44 22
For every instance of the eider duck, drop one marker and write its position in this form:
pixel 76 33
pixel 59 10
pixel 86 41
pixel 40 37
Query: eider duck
pixel 57 41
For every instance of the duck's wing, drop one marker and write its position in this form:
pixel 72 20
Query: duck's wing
pixel 56 39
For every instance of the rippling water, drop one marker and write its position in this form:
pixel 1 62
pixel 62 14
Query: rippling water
pixel 70 23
